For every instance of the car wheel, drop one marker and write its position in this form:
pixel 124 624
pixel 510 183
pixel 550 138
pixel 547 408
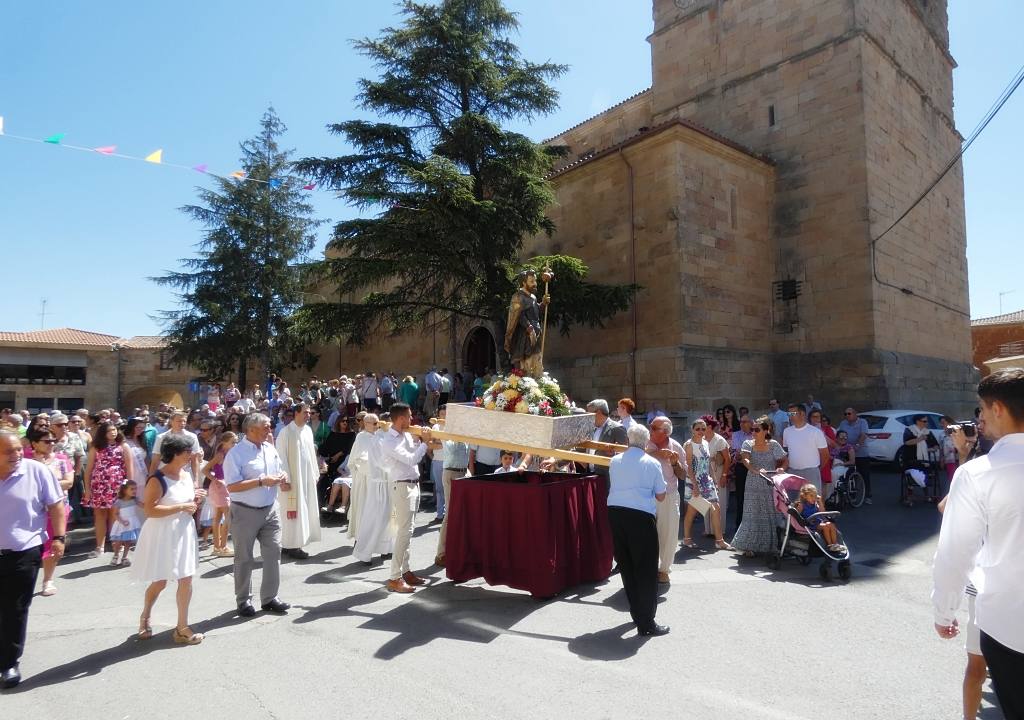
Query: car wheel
pixel 898 461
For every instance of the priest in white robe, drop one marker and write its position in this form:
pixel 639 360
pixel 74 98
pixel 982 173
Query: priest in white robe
pixel 358 466
pixel 300 517
pixel 375 535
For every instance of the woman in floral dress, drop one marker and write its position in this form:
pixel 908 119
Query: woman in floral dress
pixel 701 492
pixel 756 533
pixel 109 464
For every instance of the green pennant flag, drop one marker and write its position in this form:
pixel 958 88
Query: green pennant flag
pixel 54 139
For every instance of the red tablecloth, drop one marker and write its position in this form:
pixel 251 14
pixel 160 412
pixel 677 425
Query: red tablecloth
pixel 540 532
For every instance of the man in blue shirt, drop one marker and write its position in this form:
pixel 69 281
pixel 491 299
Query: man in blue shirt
pixel 253 474
pixel 637 485
pixel 779 418
pixel 856 429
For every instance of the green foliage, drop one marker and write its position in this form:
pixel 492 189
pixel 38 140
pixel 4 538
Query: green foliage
pixel 237 294
pixel 454 194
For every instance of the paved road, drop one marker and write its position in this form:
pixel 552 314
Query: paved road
pixel 745 642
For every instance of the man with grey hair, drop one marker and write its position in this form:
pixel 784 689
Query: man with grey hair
pixel 669 453
pixel 253 473
pixel 606 430
pixel 637 487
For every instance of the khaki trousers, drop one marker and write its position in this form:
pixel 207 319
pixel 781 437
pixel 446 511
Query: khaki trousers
pixel 668 531
pixel 405 500
pixel 446 481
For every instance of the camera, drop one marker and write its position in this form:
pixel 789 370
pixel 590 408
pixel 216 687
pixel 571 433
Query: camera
pixel 969 428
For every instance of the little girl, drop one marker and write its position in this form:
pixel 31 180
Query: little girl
pixel 218 496
pixel 810 503
pixel 126 525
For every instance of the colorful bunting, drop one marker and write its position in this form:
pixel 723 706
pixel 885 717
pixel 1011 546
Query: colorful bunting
pixel 155 157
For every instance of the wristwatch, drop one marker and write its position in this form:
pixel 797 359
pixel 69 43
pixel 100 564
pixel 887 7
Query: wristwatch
pixel 62 538
pixel 260 480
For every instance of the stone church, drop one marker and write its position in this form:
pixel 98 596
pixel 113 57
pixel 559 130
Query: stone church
pixel 743 191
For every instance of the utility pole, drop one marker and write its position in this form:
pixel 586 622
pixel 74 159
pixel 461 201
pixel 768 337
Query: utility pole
pixel 42 313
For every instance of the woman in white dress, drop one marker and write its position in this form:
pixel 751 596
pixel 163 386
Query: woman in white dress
pixel 167 544
pixel 134 438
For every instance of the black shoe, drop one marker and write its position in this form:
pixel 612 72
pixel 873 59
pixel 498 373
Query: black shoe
pixel 653 630
pixel 10 678
pixel 615 570
pixel 276 606
pixel 386 556
pixel 297 553
pixel 246 610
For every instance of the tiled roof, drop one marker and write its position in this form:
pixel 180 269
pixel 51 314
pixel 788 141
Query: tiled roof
pixel 59 336
pixel 1014 318
pixel 70 336
pixel 592 117
pixel 145 342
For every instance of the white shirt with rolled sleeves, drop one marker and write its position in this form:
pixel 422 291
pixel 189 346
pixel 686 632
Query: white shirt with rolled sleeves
pixel 401 455
pixel 983 531
pixel 248 461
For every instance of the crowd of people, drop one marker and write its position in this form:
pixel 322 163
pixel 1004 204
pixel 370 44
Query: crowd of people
pixel 164 485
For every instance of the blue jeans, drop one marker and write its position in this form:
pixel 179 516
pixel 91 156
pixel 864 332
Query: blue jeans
pixel 436 477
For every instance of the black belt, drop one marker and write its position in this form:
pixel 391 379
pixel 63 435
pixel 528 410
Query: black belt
pixel 456 469
pixel 252 507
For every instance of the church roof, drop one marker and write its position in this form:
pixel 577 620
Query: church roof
pixel 644 133
pixel 632 97
pixel 1014 318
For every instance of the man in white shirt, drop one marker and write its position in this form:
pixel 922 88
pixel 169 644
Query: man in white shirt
pixel 806 445
pixel 178 429
pixel 401 454
pixel 369 392
pixel 983 530
pixel 667 451
pixel 253 473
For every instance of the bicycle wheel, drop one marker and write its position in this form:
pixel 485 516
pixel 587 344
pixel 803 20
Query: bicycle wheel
pixel 855 490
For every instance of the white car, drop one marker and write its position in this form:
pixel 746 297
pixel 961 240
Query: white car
pixel 885 431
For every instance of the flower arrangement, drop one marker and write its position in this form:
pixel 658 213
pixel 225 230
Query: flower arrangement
pixel 518 393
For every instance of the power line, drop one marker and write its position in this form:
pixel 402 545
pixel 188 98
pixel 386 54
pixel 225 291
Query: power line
pixel 1007 93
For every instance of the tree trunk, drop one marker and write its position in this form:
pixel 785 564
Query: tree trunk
pixel 243 378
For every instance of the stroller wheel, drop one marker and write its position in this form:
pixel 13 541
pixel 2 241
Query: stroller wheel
pixel 845 571
pixel 805 560
pixel 825 570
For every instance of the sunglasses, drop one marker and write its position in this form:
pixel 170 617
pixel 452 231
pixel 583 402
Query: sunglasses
pixel 758 429
pixel 48 441
pixel 848 414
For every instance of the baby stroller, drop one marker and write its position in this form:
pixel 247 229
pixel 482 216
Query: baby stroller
pixel 799 540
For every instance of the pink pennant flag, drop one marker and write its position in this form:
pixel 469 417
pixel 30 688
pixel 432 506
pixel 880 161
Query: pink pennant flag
pixel 238 174
pixel 199 168
pixel 311 186
pixel 106 149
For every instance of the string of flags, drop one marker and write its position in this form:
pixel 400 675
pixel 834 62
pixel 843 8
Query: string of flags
pixel 156 157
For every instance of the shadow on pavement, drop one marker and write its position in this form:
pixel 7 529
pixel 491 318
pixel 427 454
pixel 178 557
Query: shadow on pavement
pixel 608 645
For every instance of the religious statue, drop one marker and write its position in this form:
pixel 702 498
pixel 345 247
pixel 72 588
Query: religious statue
pixel 524 334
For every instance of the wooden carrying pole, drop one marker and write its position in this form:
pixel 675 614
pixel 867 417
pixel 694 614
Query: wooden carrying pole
pixel 544 330
pixel 580 457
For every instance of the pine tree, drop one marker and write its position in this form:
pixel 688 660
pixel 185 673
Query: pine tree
pixel 237 295
pixel 454 193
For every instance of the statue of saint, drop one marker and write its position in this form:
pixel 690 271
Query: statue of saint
pixel 523 332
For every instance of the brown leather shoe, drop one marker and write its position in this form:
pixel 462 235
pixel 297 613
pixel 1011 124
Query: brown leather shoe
pixel 399 586
pixel 439 560
pixel 663 578
pixel 412 579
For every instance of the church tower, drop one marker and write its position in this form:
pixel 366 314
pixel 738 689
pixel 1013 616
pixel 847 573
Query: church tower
pixel 852 100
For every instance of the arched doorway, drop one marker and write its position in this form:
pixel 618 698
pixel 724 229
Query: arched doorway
pixel 479 351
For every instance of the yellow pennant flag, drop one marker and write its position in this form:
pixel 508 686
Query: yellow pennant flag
pixel 156 156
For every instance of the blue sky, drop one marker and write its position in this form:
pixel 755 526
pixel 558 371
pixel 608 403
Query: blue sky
pixel 193 78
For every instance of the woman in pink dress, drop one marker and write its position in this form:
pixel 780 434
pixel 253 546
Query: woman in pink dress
pixel 218 495
pixel 108 465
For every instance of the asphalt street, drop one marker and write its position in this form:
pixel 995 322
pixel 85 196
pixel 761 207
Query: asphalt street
pixel 745 642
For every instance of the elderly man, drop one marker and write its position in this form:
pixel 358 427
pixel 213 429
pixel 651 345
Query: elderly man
pixel 856 429
pixel 982 531
pixel 432 399
pixel 29 495
pixel 253 473
pixel 806 445
pixel 667 451
pixel 606 430
pixel 637 486
pixel 402 454
pixel 300 525
pixel 71 444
